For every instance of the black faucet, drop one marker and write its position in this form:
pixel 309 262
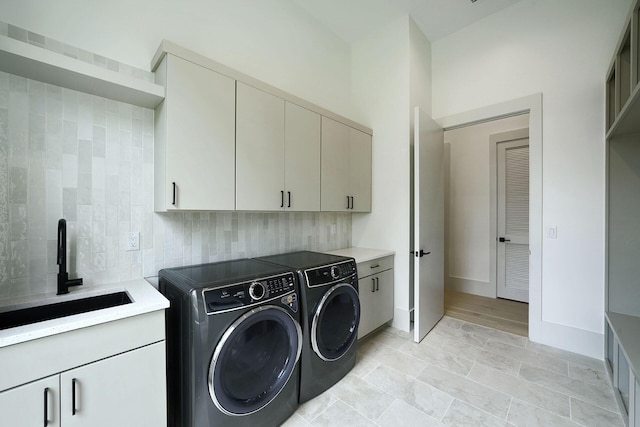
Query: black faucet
pixel 63 276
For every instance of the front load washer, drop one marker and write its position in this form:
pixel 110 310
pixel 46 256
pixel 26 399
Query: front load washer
pixel 330 317
pixel 233 344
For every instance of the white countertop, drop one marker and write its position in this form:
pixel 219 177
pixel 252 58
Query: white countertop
pixel 144 299
pixel 362 254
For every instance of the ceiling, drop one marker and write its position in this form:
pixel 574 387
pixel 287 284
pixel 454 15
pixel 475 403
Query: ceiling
pixel 354 19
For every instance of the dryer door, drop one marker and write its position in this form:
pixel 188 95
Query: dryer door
pixel 254 360
pixel 335 322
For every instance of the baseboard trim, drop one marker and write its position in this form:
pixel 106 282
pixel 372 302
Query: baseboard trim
pixel 587 343
pixel 470 286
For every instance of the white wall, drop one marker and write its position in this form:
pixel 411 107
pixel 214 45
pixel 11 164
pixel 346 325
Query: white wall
pixel 273 41
pixel 468 219
pixel 561 49
pixel 391 74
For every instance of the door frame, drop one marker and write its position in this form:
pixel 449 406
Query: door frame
pixel 533 105
pixel 494 140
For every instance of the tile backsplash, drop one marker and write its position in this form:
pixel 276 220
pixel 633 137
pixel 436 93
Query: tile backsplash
pixel 66 154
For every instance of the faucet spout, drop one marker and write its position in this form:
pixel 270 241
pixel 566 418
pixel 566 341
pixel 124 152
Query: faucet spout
pixel 63 276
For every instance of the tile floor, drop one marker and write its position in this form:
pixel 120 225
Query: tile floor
pixel 464 374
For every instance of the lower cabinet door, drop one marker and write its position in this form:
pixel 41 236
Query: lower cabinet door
pixel 32 405
pixel 384 298
pixel 124 390
pixel 376 301
pixel 367 295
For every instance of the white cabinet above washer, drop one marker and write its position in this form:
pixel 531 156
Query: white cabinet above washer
pixel 277 153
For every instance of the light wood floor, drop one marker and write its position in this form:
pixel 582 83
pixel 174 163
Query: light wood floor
pixel 502 314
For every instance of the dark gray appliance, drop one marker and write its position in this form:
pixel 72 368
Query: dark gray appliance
pixel 233 344
pixel 330 317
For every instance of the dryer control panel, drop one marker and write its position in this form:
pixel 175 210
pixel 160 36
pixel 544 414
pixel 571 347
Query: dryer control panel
pixel 340 272
pixel 247 293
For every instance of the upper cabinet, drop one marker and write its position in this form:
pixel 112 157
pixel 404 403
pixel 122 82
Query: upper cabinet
pixel 194 138
pixel 346 168
pixel 259 150
pixel 226 141
pixel 277 153
pixel 302 158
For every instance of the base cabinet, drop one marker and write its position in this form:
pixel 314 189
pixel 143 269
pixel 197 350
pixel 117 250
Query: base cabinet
pixel 375 289
pixel 123 390
pixel 33 404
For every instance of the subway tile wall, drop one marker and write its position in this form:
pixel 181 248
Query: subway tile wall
pixel 66 154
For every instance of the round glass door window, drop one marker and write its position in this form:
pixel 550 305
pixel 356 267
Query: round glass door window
pixel 335 323
pixel 254 360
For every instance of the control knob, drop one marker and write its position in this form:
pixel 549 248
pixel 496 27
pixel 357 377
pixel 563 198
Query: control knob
pixel 257 291
pixel 335 272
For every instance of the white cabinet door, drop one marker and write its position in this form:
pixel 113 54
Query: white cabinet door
pixel 194 139
pixel 335 166
pixel 302 159
pixel 32 405
pixel 124 390
pixel 360 170
pixel 376 301
pixel 367 295
pixel 259 150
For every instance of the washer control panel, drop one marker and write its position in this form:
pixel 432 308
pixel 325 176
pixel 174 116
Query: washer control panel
pixel 247 293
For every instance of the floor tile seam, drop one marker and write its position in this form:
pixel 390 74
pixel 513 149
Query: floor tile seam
pixel 571 396
pixel 584 383
pixel 414 358
pixel 365 415
pixel 617 412
pixel 545 409
pixel 470 380
pixel 491 415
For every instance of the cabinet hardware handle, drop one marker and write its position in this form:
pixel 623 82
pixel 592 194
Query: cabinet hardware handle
pixel 373 284
pixel 351 202
pixel 375 266
pixel 46 406
pixel 174 194
pixel 282 199
pixel 289 192
pixel 348 203
pixel 73 396
pixel 377 283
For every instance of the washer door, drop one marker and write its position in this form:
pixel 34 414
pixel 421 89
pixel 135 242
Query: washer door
pixel 254 360
pixel 335 322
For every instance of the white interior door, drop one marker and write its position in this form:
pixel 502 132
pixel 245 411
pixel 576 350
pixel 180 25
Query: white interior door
pixel 428 193
pixel 513 220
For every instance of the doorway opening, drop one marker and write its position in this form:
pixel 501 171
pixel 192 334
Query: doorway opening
pixel 487 223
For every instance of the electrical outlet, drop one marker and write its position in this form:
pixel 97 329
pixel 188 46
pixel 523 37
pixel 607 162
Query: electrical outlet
pixel 133 241
pixel 552 232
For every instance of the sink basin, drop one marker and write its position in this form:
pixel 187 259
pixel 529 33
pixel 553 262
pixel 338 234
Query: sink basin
pixel 56 310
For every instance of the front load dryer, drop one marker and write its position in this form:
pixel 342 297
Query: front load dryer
pixel 330 317
pixel 233 344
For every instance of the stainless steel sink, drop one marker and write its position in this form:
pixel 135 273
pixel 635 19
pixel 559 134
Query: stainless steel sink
pixel 20 316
